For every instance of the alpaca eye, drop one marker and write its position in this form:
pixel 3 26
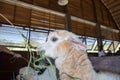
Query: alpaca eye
pixel 54 39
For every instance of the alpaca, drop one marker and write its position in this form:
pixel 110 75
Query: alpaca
pixel 71 58
pixel 28 73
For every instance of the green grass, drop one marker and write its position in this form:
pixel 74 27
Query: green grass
pixel 34 60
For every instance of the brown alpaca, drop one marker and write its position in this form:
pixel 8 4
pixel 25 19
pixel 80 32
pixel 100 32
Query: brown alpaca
pixel 71 58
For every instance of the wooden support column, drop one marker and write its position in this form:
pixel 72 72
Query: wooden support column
pixel 14 14
pixel 99 38
pixel 67 20
pixel 99 35
pixel 29 31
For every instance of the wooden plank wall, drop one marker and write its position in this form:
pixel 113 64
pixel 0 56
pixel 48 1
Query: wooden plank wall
pixel 80 8
pixel 25 17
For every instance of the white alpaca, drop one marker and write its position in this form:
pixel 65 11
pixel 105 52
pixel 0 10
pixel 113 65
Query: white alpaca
pixel 28 73
pixel 70 57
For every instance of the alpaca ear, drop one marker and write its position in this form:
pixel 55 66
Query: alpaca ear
pixel 75 42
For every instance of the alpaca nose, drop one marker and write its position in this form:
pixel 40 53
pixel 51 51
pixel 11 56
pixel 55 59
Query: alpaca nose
pixel 40 48
pixel 40 51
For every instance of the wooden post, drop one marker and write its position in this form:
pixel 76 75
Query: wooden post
pixel 29 31
pixel 99 36
pixel 67 20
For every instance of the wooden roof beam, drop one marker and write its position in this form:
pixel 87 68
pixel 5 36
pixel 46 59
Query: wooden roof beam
pixel 33 7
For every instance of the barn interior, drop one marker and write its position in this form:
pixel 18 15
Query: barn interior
pixel 96 22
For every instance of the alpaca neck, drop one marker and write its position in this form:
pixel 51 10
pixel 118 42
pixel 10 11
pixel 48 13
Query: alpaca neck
pixel 76 63
pixel 85 68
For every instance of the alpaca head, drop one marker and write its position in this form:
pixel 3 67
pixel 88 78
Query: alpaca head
pixel 60 42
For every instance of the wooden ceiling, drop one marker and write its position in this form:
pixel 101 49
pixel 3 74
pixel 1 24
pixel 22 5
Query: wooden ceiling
pixel 48 14
pixel 114 8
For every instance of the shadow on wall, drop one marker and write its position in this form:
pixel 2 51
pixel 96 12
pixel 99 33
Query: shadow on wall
pixel 9 66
